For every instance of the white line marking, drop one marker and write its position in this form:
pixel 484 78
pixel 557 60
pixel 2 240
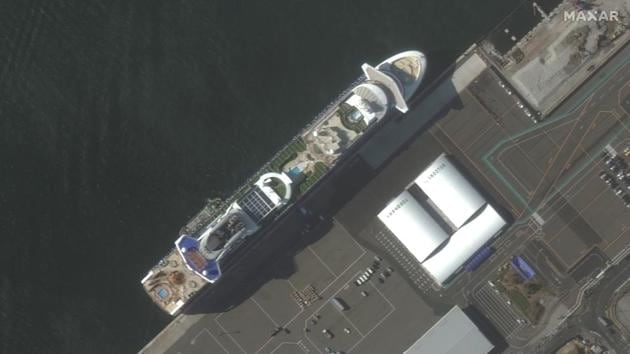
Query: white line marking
pixel 344 271
pixel 192 342
pixel 538 219
pixel 322 261
pixel 293 286
pixel 352 324
pixel 216 320
pixel 321 292
pixel 392 310
pixel 265 312
pixel 298 343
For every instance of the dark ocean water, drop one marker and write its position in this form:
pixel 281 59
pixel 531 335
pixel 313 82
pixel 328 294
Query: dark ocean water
pixel 117 119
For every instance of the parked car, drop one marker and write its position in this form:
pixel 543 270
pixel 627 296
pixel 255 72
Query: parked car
pixel 619 191
pixel 603 321
pixel 615 169
pixel 608 160
pixel 611 182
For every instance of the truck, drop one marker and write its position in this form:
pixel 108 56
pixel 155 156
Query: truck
pixel 339 304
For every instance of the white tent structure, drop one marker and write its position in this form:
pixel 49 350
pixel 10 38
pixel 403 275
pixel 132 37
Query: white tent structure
pixel 449 190
pixel 464 243
pixel 413 226
pixel 443 252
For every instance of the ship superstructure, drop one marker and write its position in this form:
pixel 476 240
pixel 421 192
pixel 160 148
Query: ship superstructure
pixel 208 241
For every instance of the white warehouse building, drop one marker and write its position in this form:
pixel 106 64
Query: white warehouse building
pixel 442 219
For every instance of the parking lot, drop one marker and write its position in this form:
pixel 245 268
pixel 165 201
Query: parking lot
pixel 494 305
pixel 549 171
pixel 272 321
pixel 585 215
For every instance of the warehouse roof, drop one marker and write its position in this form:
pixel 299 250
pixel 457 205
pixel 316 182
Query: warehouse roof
pixel 450 191
pixel 416 219
pixel 463 244
pixel 454 333
pixel 413 226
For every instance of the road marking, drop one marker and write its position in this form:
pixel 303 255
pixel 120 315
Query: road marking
pixel 322 261
pixel 298 343
pixel 498 310
pixel 192 342
pixel 321 293
pixel 392 310
pixel 216 320
pixel 265 312
pixel 538 219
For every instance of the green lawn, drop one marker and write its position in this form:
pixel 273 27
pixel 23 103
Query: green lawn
pixel 287 154
pixel 279 188
pixel 519 300
pixel 319 170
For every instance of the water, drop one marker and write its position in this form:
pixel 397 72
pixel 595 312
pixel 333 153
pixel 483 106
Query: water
pixel 117 119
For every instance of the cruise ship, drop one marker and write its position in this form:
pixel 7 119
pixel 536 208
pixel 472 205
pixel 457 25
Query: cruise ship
pixel 205 246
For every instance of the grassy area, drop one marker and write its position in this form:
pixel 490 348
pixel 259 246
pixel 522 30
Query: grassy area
pixel 500 286
pixel 524 295
pixel 519 300
pixel 318 171
pixel 279 188
pixel 287 154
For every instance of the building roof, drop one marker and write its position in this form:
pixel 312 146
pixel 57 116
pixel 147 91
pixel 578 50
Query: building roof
pixel 413 226
pixel 454 333
pixel 418 226
pixel 464 243
pixel 450 191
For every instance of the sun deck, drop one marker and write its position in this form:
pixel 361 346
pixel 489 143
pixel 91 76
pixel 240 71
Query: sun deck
pixel 170 284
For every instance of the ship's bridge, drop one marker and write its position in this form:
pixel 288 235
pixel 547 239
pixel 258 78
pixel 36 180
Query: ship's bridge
pixel 189 249
pixel 203 255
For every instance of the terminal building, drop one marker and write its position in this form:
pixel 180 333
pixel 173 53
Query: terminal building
pixel 453 334
pixel 442 219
